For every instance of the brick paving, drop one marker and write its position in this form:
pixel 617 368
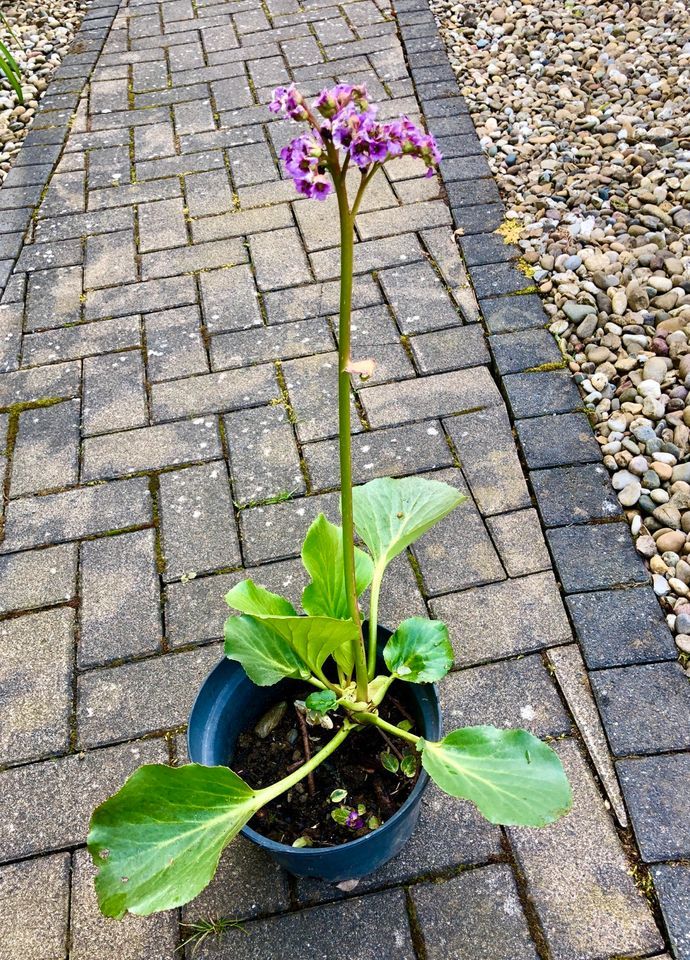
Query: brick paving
pixel 167 423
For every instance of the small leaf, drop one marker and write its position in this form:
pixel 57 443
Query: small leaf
pixel 361 809
pixel 157 841
pixel 389 761
pixel 419 651
pixel 408 765
pixel 373 823
pixel 248 597
pixel 337 796
pixel 341 815
pixel 303 842
pixel 321 701
pixel 322 556
pixel 513 778
pixel 405 725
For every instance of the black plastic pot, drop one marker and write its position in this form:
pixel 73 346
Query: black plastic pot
pixel 228 703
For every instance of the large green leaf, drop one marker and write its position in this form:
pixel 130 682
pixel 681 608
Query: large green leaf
pixel 419 651
pixel 512 777
pixel 270 648
pixel 391 514
pixel 265 655
pixel 249 597
pixel 322 556
pixel 157 841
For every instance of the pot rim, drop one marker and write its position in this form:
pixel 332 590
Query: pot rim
pixel 315 852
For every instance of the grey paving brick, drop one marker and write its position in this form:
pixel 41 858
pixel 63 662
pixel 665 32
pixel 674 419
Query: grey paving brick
pixel 120 602
pixel 43 256
pixel 36 686
pixel 83 224
pixel 576 871
pixel 440 395
pixel 524 350
pixel 246 883
pixel 35 899
pixel 114 396
pixel 451 349
pixel 238 223
pixel 123 702
pixel 193 117
pixel 46 451
pixel 539 393
pixel 512 693
pixel 318 223
pixel 318 300
pixel 520 542
pixel 214 392
pixel 229 299
pixel 504 619
pixel 575 494
pixel 109 260
pixel 645 707
pixel 192 258
pixel 507 314
pixel 369 255
pixel 252 164
pixel 108 95
pixel 372 326
pixel 93 937
pixel 376 927
pixel 11 321
pixel 279 342
pixel 276 531
pixel 53 298
pixel 82 340
pixel 493 471
pixel 312 386
pixel 208 193
pixel 490 925
pixel 108 167
pixel 38 578
pixel 279 259
pixel 574 550
pixel 485 247
pixel 76 514
pixel 25 386
pixel 198 525
pixel 656 795
pixel 418 298
pixel 471 193
pixel 620 627
pixel 672 885
pixel 195 610
pixel 157 139
pixel 494 279
pixel 143 297
pixel 66 194
pixel 391 452
pixel 58 796
pixel 557 440
pixel 174 345
pixel 264 459
pixel 162 225
pixel 107 198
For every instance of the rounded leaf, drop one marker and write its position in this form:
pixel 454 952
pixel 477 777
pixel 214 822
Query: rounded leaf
pixel 419 651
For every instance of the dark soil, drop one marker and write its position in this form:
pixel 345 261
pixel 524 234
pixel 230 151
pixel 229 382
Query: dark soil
pixel 355 766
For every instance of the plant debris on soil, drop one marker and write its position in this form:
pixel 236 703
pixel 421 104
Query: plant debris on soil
pixel 372 792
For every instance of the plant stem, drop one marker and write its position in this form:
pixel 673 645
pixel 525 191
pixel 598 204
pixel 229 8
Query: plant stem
pixel 270 793
pixel 376 721
pixel 305 746
pixel 347 240
pixel 373 623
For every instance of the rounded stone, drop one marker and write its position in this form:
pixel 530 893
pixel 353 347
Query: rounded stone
pixel 670 540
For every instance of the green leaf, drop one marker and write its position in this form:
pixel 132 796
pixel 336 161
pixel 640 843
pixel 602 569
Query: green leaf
pixel 392 514
pixel 272 647
pixel 337 796
pixel 341 815
pixel 513 778
pixel 322 556
pixel 157 841
pixel 389 761
pixel 408 765
pixel 321 701
pixel 419 651
pixel 248 597
pixel 265 655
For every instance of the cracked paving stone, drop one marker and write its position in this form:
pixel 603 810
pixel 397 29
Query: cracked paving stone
pixel 120 601
pixel 36 684
pixel 127 701
pixel 38 578
pixel 489 924
pixel 579 877
pixel 35 900
pixel 264 459
pixel 503 619
pixel 58 796
pixel 197 521
pixel 76 514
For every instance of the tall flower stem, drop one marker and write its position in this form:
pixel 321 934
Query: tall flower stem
pixel 347 242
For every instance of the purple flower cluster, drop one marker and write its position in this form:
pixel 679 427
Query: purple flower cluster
pixel 342 119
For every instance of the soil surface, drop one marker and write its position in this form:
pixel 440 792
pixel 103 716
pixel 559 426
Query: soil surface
pixel 372 790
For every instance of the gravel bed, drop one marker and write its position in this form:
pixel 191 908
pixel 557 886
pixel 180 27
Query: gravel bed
pixel 584 113
pixel 42 32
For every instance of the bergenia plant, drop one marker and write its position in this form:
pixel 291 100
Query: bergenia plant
pixel 158 840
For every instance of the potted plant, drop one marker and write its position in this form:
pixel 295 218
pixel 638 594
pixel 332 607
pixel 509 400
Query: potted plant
pixel 296 692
